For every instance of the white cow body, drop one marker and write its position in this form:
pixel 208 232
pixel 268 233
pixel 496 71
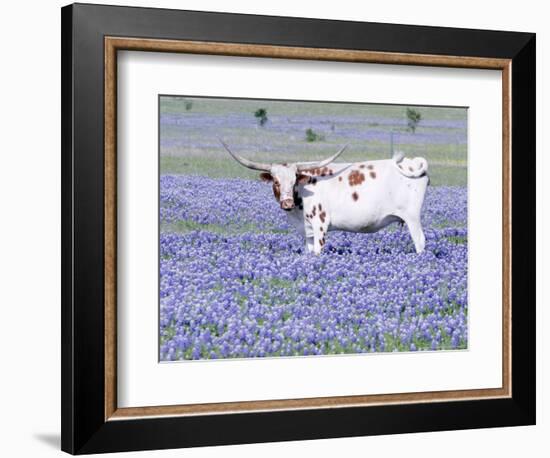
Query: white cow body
pixel 378 194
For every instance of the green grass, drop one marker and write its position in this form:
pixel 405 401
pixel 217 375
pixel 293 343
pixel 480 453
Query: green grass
pixel 217 106
pixel 281 283
pixel 185 226
pixel 196 151
pixel 442 172
pixel 459 240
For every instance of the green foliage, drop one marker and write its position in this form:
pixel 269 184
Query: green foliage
pixel 459 240
pixel 185 226
pixel 261 115
pixel 413 119
pixel 191 155
pixel 212 164
pixel 312 136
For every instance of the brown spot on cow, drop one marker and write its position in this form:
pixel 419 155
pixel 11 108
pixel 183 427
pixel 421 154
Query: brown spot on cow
pixel 313 211
pixel 331 172
pixel 370 167
pixel 320 207
pixel 314 181
pixel 277 189
pixel 321 230
pixel 355 196
pixel 339 178
pixel 362 166
pixel 322 241
pixel 355 178
pixel 410 169
pixel 322 216
pixel 372 175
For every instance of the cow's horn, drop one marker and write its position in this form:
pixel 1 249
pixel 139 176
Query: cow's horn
pixel 246 162
pixel 305 166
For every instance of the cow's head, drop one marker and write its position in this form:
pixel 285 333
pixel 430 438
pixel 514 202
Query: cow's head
pixel 284 176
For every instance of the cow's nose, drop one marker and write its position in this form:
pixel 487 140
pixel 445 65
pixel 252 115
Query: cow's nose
pixel 287 204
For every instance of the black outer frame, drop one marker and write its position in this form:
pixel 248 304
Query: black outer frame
pixel 83 427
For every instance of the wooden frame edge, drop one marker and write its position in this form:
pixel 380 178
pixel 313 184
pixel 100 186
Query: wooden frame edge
pixel 110 202
pixel 291 52
pixel 111 46
pixel 334 402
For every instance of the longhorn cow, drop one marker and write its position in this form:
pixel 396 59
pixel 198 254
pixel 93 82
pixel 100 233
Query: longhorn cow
pixel 355 197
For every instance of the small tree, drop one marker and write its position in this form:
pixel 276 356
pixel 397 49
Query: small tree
pixel 312 136
pixel 188 104
pixel 261 116
pixel 413 119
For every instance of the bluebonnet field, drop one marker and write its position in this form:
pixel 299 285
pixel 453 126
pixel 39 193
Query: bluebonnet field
pixel 234 279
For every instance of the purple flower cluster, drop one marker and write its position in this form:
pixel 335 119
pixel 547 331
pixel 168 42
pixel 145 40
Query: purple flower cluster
pixel 234 202
pixel 228 202
pixel 238 284
pixel 206 127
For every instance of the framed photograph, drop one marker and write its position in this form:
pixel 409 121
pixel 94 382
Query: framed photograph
pixel 284 228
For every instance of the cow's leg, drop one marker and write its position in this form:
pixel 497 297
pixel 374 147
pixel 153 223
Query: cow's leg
pixel 417 234
pixel 320 229
pixel 308 235
pixel 309 244
pixel 316 224
pixel 318 243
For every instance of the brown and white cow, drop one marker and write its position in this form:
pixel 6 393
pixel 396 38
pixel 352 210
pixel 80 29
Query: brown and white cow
pixel 355 197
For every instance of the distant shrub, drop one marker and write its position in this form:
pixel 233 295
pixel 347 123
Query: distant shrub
pixel 413 119
pixel 261 116
pixel 312 136
pixel 188 104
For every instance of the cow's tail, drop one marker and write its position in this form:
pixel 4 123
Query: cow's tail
pixel 412 168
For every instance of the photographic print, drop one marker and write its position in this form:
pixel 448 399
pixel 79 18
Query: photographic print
pixel 302 228
pixel 275 228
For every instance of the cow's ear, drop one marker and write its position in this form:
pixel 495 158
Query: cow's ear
pixel 302 179
pixel 265 176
